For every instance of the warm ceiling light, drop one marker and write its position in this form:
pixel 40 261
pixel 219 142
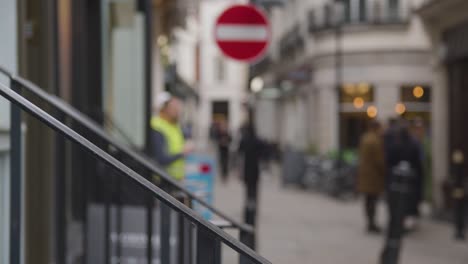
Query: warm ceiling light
pixel 418 92
pixel 400 108
pixel 358 102
pixel 372 111
pixel 349 88
pixel 363 88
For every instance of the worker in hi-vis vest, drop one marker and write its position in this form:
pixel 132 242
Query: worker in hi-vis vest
pixel 168 141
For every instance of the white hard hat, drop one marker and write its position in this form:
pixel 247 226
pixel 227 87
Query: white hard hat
pixel 162 99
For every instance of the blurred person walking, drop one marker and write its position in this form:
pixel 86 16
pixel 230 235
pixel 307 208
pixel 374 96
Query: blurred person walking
pixel 223 140
pixel 168 142
pixel 371 172
pixel 251 149
pixel 405 148
pixel 390 134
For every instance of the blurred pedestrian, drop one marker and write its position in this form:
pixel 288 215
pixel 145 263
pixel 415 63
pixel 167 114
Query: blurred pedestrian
pixel 251 149
pixel 405 148
pixel 223 140
pixel 371 172
pixel 213 132
pixel 167 139
pixel 390 133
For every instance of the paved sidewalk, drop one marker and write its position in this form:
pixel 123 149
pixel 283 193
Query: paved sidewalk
pixel 296 227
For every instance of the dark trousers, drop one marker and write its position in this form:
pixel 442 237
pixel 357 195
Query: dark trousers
pixel 460 212
pixel 370 208
pixel 223 154
pixel 415 197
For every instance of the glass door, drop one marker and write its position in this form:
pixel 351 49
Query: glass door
pixel 123 49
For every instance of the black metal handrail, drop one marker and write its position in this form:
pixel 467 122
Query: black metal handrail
pixel 158 193
pixel 141 158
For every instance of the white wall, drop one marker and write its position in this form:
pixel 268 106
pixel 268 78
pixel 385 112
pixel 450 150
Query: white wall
pixel 184 52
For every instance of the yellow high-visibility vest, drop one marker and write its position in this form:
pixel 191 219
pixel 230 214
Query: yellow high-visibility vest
pixel 175 144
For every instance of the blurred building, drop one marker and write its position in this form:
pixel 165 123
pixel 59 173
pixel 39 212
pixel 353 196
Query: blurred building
pixel 223 82
pixel 446 23
pixel 375 51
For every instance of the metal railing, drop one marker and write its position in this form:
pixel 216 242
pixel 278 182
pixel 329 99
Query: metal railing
pixel 135 155
pixel 216 235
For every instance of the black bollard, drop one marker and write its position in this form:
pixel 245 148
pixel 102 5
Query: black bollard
pixel 250 215
pixel 398 196
pixel 250 212
pixel 459 196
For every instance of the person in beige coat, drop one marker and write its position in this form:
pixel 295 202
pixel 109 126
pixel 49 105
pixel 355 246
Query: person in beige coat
pixel 371 172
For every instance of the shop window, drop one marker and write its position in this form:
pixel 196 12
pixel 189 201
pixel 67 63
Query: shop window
pixel 353 125
pixel 415 103
pixel 416 93
pixel 123 66
pixel 357 109
pixel 357 93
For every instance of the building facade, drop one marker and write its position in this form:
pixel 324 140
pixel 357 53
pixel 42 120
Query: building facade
pixel 446 23
pixel 376 52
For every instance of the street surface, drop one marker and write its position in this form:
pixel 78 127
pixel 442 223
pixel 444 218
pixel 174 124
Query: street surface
pixel 298 227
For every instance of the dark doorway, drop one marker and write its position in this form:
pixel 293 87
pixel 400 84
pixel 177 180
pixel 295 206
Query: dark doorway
pixel 220 110
pixel 458 109
pixel 353 125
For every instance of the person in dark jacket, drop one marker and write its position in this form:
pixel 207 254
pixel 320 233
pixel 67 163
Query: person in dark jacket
pixel 252 148
pixel 390 134
pixel 405 148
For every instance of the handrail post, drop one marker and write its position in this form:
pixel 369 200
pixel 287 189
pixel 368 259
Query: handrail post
pixel 208 248
pixel 149 227
pixel 60 197
pixel 16 180
pixel 165 233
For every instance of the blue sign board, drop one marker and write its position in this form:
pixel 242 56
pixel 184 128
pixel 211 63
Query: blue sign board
pixel 199 179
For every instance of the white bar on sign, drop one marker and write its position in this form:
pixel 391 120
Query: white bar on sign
pixel 244 33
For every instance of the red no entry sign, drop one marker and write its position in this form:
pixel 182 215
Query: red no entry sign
pixel 242 32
